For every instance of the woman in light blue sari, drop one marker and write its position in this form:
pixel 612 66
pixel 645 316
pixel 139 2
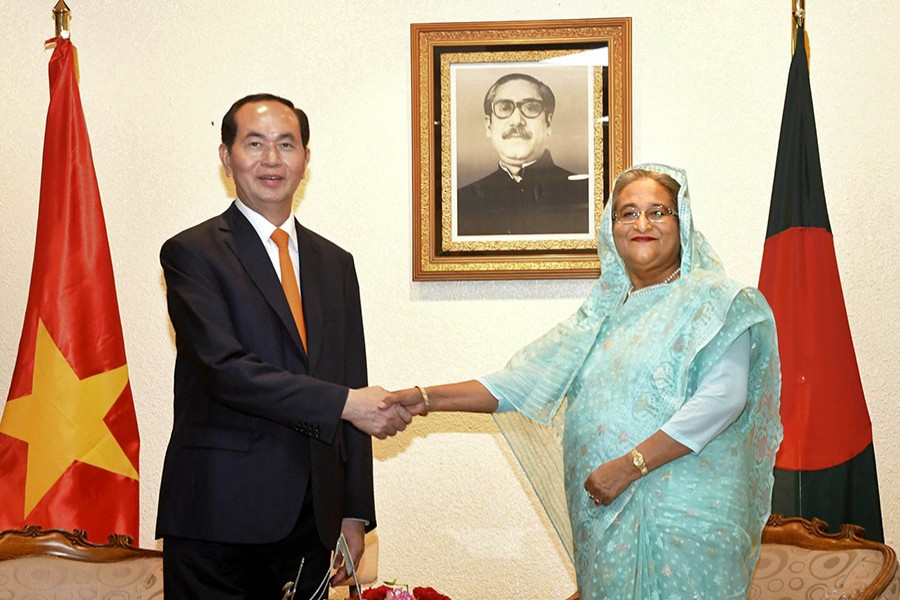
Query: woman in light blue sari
pixel 672 381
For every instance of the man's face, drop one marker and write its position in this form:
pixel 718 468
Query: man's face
pixel 267 159
pixel 518 139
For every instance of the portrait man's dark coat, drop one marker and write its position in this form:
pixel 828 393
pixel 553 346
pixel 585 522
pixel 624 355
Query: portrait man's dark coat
pixel 547 200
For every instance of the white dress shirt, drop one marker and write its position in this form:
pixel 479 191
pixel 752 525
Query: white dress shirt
pixel 264 230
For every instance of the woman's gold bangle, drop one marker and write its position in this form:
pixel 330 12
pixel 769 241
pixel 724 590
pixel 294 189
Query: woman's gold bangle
pixel 425 399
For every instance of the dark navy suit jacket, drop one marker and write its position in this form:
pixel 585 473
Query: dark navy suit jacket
pixel 257 421
pixel 548 200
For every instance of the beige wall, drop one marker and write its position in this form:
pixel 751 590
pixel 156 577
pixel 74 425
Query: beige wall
pixel 709 82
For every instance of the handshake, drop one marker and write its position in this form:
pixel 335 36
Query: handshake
pixel 381 413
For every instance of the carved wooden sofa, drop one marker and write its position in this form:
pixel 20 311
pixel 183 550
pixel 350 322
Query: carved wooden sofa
pixel 39 563
pixel 800 561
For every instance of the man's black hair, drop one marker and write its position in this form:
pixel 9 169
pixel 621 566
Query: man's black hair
pixel 229 126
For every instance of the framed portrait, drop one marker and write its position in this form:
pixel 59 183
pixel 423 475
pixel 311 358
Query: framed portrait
pixel 519 130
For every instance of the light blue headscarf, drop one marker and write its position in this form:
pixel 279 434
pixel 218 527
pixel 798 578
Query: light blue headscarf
pixel 681 333
pixel 556 358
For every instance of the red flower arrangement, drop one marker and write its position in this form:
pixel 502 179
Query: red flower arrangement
pixel 395 592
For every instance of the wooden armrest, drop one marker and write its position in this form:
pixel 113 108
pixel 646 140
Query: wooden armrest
pixel 813 535
pixel 36 541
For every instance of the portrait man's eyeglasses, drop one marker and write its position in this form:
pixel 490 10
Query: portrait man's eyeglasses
pixel 504 109
pixel 657 214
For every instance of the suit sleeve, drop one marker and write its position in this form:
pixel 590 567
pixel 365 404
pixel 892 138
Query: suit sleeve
pixel 204 298
pixel 360 500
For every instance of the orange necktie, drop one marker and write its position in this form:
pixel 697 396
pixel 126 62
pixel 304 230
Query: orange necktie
pixel 289 281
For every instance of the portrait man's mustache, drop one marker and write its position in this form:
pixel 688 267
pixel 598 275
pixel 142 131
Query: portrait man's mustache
pixel 517 131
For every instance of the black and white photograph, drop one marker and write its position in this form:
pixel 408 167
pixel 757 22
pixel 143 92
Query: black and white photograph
pixel 519 129
pixel 521 148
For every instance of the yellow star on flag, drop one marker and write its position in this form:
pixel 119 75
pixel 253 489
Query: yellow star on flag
pixel 62 420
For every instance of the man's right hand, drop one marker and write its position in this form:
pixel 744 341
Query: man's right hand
pixel 363 409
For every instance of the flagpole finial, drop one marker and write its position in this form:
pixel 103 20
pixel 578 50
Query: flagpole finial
pixel 799 12
pixel 798 21
pixel 61 14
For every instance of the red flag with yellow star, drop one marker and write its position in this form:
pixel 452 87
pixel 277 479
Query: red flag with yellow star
pixel 68 436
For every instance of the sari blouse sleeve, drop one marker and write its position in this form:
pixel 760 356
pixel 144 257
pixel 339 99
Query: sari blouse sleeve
pixel 720 397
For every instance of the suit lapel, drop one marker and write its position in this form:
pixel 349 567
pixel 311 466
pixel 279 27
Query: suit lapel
pixel 244 242
pixel 311 277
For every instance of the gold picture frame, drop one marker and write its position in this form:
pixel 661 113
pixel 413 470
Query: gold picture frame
pixel 460 231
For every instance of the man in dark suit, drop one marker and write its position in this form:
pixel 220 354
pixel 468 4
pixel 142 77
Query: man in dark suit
pixel 270 458
pixel 528 193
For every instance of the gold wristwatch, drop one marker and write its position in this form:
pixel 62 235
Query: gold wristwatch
pixel 637 459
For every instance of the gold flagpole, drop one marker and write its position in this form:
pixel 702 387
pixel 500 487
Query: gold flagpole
pixel 798 10
pixel 798 19
pixel 61 14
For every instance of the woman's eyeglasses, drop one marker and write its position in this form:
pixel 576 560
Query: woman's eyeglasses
pixel 657 214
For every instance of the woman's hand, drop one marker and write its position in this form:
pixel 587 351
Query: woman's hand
pixel 411 399
pixel 611 479
pixel 467 396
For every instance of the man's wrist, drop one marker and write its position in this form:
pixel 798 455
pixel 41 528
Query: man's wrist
pixel 349 405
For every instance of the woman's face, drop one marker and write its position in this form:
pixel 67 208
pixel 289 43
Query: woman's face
pixel 650 251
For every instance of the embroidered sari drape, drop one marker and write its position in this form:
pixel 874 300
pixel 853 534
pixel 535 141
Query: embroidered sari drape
pixel 692 527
